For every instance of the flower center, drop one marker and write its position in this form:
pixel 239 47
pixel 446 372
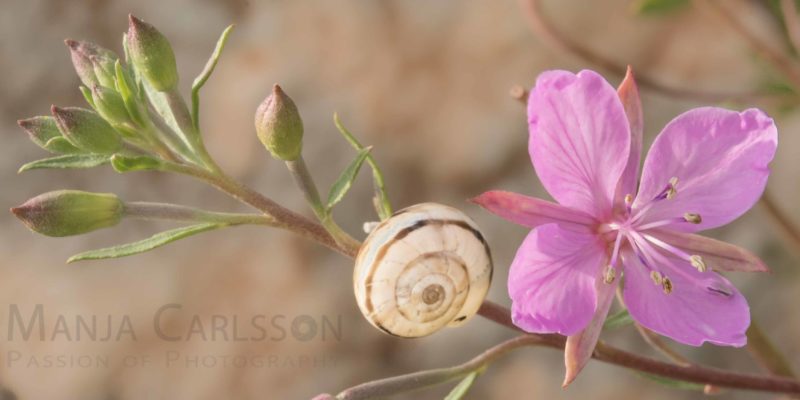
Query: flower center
pixel 649 249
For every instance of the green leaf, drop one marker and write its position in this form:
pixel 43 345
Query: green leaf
pixel 126 87
pixel 345 181
pixel 656 7
pixel 148 244
pixel 61 145
pixel 618 320
pixel 67 161
pixel 122 163
pixel 87 94
pixel 201 79
pixel 381 201
pixel 673 383
pixel 463 387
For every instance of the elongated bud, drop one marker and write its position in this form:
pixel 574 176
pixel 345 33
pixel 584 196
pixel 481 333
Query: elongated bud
pixel 86 130
pixel 85 56
pixel 110 105
pixel 279 126
pixel 44 132
pixel 152 54
pixel 40 129
pixel 70 212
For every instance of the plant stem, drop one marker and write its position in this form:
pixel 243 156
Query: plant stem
pixel 790 19
pixel 780 61
pixel 284 218
pixel 603 352
pixel 790 232
pixel 422 379
pixel 762 348
pixel 184 120
pixel 305 182
pixel 547 31
pixel 175 212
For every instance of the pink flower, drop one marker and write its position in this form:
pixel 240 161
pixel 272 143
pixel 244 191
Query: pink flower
pixel 705 169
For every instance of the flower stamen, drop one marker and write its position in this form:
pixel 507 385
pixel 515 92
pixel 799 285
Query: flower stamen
pixel 669 192
pixel 666 285
pixel 609 275
pixel 693 218
pixel 672 189
pixel 657 278
pixel 698 263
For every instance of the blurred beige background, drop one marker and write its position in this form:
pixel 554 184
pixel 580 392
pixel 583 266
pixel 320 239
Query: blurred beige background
pixel 426 83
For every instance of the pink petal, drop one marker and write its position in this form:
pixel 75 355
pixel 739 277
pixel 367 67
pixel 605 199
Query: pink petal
pixel 580 346
pixel 528 211
pixel 579 139
pixel 717 255
pixel 720 158
pixel 552 279
pixel 702 307
pixel 628 94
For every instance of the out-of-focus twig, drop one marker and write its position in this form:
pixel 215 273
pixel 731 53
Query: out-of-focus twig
pixel 705 375
pixel 790 19
pixel 790 233
pixel 778 59
pixel 546 30
pixel 766 353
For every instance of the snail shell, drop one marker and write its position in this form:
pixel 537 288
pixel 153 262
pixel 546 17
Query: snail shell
pixel 424 268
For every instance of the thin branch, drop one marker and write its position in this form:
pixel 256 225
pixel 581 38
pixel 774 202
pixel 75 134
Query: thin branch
pixel 176 212
pixel 765 352
pixel 790 19
pixel 285 218
pixel 547 31
pixel 603 352
pixel 780 61
pixel 790 232
pixel 421 379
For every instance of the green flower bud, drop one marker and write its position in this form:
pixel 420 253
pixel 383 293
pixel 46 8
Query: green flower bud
pixel 104 70
pixel 40 129
pixel 70 212
pixel 279 126
pixel 86 130
pixel 44 132
pixel 152 55
pixel 110 105
pixel 85 57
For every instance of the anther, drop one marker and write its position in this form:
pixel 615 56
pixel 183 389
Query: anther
pixel 628 199
pixel 693 218
pixel 673 188
pixel 698 263
pixel 666 284
pixel 656 277
pixel 609 275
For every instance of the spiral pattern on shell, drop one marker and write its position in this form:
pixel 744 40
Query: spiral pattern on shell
pixel 424 268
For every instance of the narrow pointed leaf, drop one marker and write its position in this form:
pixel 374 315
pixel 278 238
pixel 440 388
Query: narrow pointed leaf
pixel 67 161
pixel 123 164
pixel 206 73
pixel 61 145
pixel 345 181
pixel 618 320
pixel 127 90
pixel 382 205
pixel 87 94
pixel 463 387
pixel 148 244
